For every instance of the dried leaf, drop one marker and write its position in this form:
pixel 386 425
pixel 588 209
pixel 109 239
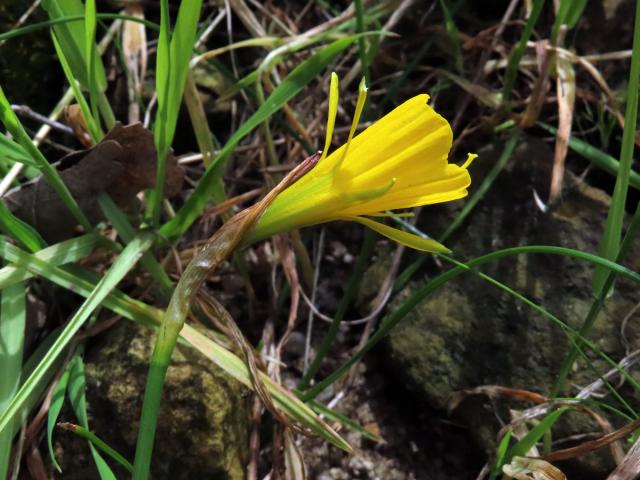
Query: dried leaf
pixel 566 89
pixel 596 444
pixel 134 49
pixel 493 391
pixel 540 88
pixel 522 468
pixel 122 165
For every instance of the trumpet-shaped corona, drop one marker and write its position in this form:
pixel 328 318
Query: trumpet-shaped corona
pixel 401 161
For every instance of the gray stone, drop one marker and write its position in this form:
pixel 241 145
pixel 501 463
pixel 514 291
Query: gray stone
pixel 470 333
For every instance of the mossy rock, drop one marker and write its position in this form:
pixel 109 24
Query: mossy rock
pixel 470 333
pixel 203 424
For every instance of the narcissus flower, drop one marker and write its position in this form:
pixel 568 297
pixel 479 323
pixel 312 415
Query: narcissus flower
pixel 401 161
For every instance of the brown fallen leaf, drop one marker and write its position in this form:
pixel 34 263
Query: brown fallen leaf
pixel 522 468
pixel 122 165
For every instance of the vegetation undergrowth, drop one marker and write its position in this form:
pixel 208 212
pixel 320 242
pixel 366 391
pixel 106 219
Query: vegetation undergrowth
pixel 115 220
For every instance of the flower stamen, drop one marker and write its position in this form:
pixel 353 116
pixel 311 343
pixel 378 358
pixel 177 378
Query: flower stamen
pixel 362 98
pixel 334 97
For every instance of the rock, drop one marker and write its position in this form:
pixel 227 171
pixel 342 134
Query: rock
pixel 470 333
pixel 203 424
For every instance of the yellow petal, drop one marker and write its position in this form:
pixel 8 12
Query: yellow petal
pixel 402 237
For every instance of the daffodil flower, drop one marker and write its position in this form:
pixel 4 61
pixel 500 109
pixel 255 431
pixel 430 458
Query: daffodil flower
pixel 401 161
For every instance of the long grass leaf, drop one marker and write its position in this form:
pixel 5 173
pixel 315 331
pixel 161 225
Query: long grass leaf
pixel 72 37
pixel 12 151
pixel 90 22
pixel 123 264
pixel 13 314
pixel 522 447
pixel 83 283
pixel 55 255
pixel 34 27
pixel 19 230
pixel 518 52
pixel 171 73
pixel 77 395
pixel 55 407
pixel 89 118
pixel 389 322
pixel 613 227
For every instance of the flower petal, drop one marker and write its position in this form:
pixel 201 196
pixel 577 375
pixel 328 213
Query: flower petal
pixel 402 237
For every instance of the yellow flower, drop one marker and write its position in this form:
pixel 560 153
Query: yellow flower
pixel 401 161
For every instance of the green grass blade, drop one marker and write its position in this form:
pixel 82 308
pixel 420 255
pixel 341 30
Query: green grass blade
pixel 290 405
pixel 34 27
pixel 13 314
pixel 123 264
pixel 19 230
pixel 147 315
pixel 419 295
pixel 57 401
pixel 598 303
pixel 99 444
pixel 56 255
pixel 171 73
pixel 344 420
pixel 613 227
pixel 199 121
pixel 76 391
pixel 211 182
pixel 90 22
pixel 596 156
pixel 82 282
pixel 90 119
pixel 12 151
pixel 527 442
pixel 518 52
pixel 568 14
pixel 11 123
pixel 72 37
pixel 501 451
pixel 454 36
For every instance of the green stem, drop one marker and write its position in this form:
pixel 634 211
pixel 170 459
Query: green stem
pixel 172 323
pixel 150 410
pixel 610 247
pixel 217 249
